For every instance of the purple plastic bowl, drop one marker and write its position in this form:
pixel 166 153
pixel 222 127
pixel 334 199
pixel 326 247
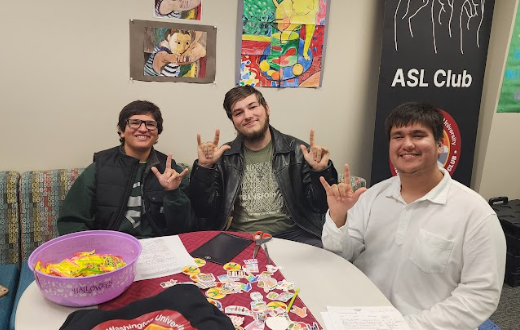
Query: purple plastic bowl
pixel 91 290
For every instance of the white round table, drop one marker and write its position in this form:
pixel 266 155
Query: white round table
pixel 324 279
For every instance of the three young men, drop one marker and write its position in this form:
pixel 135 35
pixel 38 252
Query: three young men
pixel 434 247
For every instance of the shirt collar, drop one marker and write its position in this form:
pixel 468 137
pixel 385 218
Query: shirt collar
pixel 438 195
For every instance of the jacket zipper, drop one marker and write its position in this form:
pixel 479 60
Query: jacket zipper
pixel 285 199
pixel 119 218
pixel 232 206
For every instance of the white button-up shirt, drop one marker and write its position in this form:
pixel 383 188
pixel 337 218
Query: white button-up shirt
pixel 439 260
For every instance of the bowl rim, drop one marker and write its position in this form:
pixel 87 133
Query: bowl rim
pixel 31 263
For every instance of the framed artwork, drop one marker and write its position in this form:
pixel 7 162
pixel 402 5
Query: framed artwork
pixel 161 51
pixel 510 93
pixel 282 43
pixel 179 9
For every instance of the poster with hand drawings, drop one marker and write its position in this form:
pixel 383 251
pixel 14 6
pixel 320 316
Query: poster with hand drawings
pixel 434 51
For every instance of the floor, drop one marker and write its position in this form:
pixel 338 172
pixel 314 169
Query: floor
pixel 507 315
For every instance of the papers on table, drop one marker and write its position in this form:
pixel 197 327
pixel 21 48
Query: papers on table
pixel 364 318
pixel 162 256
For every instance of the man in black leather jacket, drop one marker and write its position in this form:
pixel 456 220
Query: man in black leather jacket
pixel 131 188
pixel 263 180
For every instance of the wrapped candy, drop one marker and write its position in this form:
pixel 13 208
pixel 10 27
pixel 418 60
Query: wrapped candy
pixel 82 264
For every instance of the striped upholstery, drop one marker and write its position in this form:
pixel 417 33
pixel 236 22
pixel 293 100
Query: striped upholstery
pixel 9 242
pixel 9 218
pixel 42 193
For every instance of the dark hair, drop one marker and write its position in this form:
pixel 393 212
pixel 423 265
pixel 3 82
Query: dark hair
pixel 238 93
pixel 171 32
pixel 416 112
pixel 139 108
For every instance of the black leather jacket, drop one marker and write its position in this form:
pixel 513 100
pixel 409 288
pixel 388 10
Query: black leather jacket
pixel 213 191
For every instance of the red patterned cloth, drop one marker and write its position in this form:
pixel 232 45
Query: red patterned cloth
pixel 147 288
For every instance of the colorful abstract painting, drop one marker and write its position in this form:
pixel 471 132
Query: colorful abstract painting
pixel 179 9
pixel 510 94
pixel 282 43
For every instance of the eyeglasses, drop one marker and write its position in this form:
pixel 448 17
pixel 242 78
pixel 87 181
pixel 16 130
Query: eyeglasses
pixel 151 125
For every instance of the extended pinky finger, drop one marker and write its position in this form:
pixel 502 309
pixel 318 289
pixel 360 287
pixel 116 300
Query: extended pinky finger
pixel 175 176
pixel 325 184
pixel 183 173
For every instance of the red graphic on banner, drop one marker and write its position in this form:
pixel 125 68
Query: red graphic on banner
pixel 451 142
pixel 158 320
pixel 449 158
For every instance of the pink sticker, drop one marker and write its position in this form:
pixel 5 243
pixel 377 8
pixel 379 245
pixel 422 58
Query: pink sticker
pixel 237 320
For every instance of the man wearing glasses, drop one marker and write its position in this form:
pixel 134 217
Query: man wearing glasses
pixel 132 188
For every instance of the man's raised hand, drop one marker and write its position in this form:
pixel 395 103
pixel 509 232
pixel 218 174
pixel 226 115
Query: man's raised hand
pixel 317 157
pixel 209 152
pixel 170 179
pixel 341 198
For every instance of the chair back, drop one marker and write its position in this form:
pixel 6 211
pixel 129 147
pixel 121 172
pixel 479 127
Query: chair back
pixel 41 196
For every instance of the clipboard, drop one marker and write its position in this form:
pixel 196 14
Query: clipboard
pixel 221 248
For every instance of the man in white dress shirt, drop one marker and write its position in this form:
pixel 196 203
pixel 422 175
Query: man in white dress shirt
pixel 433 246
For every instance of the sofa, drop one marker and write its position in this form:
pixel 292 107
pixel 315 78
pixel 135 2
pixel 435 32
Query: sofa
pixel 29 207
pixel 9 242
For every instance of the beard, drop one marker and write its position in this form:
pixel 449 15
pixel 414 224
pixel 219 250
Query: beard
pixel 257 136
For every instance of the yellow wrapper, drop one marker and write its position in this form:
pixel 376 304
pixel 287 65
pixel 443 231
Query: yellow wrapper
pixel 82 264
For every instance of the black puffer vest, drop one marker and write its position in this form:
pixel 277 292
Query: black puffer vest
pixel 115 175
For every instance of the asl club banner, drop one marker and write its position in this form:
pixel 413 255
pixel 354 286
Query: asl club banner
pixel 434 51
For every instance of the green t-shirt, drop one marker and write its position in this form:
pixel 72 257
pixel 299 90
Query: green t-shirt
pixel 132 221
pixel 260 204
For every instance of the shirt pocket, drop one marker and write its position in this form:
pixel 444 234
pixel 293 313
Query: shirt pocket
pixel 431 253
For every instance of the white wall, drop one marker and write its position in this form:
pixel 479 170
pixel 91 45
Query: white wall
pixel 65 77
pixel 497 158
